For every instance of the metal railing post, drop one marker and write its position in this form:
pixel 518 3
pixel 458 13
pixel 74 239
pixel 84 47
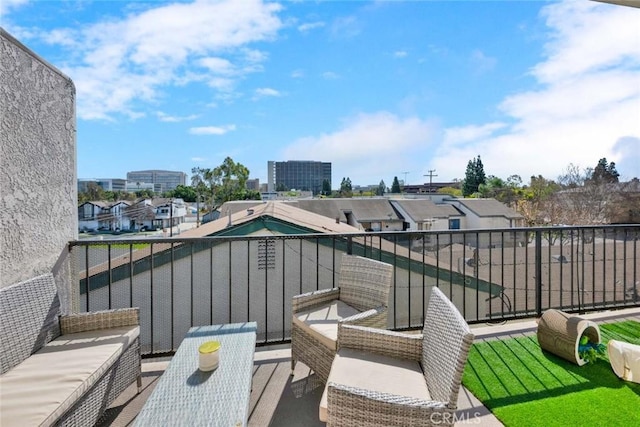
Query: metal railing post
pixel 538 266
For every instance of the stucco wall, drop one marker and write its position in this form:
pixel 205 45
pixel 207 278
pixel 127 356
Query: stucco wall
pixel 38 208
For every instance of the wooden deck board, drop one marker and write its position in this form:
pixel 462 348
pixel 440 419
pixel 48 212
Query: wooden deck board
pixel 279 399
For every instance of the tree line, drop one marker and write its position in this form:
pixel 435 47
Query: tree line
pixel 577 196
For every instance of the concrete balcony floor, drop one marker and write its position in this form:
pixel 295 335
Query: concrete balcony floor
pixel 279 399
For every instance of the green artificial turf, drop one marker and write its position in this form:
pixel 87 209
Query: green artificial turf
pixel 524 386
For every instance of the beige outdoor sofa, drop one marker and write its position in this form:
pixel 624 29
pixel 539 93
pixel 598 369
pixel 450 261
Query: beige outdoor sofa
pixel 385 378
pixel 61 370
pixel 361 298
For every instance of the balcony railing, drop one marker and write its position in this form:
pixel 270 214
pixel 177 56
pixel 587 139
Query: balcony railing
pixel 490 275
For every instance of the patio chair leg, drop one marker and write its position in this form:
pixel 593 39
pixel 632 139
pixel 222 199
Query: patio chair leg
pixel 139 383
pixel 293 366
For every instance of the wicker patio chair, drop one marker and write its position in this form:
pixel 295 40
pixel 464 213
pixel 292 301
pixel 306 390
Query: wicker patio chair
pixel 361 298
pixel 62 370
pixel 386 378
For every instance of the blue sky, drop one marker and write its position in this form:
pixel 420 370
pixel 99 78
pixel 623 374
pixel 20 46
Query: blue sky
pixel 380 89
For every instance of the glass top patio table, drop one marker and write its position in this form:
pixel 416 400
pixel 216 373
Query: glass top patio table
pixel 187 396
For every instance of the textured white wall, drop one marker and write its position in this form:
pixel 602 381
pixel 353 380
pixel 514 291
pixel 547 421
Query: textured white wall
pixel 38 209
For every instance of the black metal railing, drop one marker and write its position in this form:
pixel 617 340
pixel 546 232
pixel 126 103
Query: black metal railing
pixel 490 275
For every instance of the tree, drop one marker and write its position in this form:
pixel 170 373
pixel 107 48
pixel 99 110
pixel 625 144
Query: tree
pixel 452 191
pixel 225 182
pixel 583 199
pixel 94 192
pixel 474 176
pixel 533 201
pixel 145 194
pixel 382 188
pixel 345 188
pixel 604 173
pixel 507 192
pixel 201 181
pixel 186 193
pixel 395 186
pixel 326 188
pixel 514 181
pixel 491 187
pixel 573 177
pixel 123 195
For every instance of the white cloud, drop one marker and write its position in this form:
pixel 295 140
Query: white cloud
pixel 115 63
pixel 466 134
pixel 212 130
pixel 297 74
pixel 482 63
pixel 627 150
pixel 400 53
pixel 330 75
pixel 346 27
pixel 163 117
pixel 310 26
pixel 267 91
pixel 6 5
pixel 217 65
pixel 369 145
pixel 585 107
pixel 198 159
pixel 586 37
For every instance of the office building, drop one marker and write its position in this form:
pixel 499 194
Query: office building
pixel 253 184
pixel 168 180
pixel 107 184
pixel 133 186
pixel 301 175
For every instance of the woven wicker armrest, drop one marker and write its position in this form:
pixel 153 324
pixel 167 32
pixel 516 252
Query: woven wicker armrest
pixel 380 341
pixel 310 299
pixel 105 319
pixel 370 318
pixel 346 400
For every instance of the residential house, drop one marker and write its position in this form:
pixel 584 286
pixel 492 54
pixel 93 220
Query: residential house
pixel 152 214
pixel 371 214
pixel 102 215
pixel 627 208
pixel 261 263
pixel 424 214
pixel 169 212
pixel 437 212
pixel 93 215
pixel 488 214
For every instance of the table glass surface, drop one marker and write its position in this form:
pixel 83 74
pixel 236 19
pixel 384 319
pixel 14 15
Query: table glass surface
pixel 185 395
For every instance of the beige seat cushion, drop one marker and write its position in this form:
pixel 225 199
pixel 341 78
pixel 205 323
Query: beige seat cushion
pixel 49 382
pixel 322 322
pixel 625 360
pixel 375 372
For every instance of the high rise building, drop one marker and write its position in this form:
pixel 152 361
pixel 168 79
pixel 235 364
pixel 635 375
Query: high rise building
pixel 304 175
pixel 168 180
